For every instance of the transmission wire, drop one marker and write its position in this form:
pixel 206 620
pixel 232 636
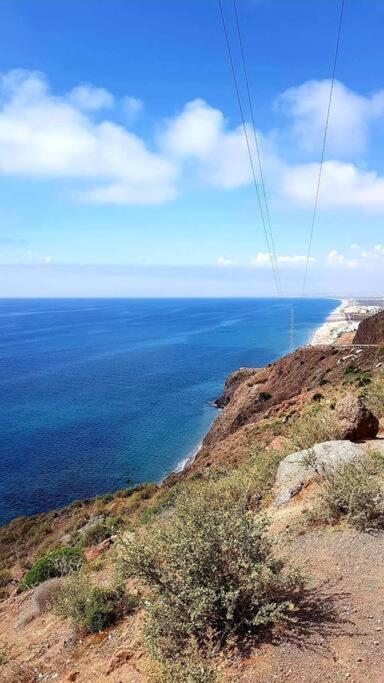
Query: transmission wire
pixel 267 213
pixel 248 145
pixel 323 147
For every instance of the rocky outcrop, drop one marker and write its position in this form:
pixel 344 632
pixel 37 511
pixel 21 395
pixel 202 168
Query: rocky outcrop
pixel 232 382
pixel 280 390
pixel 298 469
pixel 94 521
pixel 356 421
pixel 371 330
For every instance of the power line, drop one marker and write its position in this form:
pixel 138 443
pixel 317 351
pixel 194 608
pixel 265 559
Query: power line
pixel 248 145
pixel 267 213
pixel 323 147
pixel 292 341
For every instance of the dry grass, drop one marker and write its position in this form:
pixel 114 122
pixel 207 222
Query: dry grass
pixel 374 395
pixel 316 425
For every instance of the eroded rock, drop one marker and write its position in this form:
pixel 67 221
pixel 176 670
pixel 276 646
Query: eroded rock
pixel 297 470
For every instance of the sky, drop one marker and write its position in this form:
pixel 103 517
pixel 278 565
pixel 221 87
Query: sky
pixel 123 163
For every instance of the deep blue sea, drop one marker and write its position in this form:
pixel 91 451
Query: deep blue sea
pixel 100 394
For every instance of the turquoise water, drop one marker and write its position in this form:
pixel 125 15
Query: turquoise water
pixel 96 393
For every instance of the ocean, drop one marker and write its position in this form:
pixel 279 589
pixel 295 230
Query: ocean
pixel 98 395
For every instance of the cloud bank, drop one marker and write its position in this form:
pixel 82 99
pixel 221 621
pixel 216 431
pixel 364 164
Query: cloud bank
pixel 78 136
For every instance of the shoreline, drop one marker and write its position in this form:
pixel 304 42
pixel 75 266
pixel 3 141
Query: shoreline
pixel 344 320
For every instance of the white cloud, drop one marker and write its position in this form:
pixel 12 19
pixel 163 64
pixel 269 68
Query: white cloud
pixel 222 261
pixel 295 260
pixel 46 136
pixel 334 258
pixel 200 133
pixel 342 185
pixel 350 117
pixel 49 137
pixel 262 259
pixel 374 253
pixel 89 98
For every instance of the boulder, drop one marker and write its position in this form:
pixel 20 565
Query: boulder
pixel 355 420
pixel 99 519
pixel 297 470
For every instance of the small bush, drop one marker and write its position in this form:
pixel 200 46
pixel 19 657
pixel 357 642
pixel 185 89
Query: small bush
pixel 353 491
pixel 5 577
pixel 99 532
pixel 92 608
pixel 316 398
pixel 59 562
pixel 264 396
pixel 317 425
pixel 210 570
pixel 4 653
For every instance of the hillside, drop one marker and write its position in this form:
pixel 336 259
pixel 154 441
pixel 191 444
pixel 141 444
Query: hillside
pixel 190 558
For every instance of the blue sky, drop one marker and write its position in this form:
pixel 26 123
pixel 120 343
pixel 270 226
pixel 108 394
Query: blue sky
pixel 123 168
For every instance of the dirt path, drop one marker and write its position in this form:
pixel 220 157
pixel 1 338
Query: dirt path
pixel 344 638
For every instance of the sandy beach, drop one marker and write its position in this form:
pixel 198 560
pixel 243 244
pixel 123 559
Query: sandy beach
pixel 345 319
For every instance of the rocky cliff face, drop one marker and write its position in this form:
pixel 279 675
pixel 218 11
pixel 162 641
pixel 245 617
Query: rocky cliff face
pixel 371 330
pixel 252 397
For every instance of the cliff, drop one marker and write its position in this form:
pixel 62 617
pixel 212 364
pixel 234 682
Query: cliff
pixel 371 330
pixel 258 403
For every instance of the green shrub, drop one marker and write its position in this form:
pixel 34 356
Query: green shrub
pixel 210 570
pixel 353 491
pixel 92 608
pixel 59 562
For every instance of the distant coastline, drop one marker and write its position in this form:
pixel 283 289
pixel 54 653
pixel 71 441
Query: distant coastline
pixel 344 320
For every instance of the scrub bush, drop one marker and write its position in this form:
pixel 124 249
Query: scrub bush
pixel 353 491
pixel 210 571
pixel 92 608
pixel 59 562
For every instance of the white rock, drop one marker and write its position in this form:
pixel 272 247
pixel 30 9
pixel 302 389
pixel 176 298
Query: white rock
pixel 298 469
